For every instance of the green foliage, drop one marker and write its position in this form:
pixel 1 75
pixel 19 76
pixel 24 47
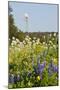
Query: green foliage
pixel 23 55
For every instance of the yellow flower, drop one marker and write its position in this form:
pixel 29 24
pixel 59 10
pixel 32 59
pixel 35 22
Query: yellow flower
pixel 55 60
pixel 38 77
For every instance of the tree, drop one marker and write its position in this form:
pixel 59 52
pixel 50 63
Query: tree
pixel 13 29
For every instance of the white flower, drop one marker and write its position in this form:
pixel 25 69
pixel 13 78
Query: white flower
pixel 38 41
pixel 44 43
pixel 54 46
pixel 51 42
pixel 17 40
pixel 50 34
pixel 44 36
pixel 13 38
pixel 21 45
pixel 54 34
pixel 27 36
pixel 24 42
pixel 33 41
pixel 14 42
pixel 26 39
pixel 34 38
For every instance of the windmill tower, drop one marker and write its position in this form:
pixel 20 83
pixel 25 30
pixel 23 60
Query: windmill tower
pixel 26 21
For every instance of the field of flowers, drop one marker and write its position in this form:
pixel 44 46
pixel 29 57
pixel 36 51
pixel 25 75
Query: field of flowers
pixel 32 63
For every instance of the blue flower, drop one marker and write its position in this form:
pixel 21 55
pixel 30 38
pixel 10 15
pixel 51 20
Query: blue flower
pixel 41 67
pixel 11 78
pixel 51 64
pixel 50 71
pixel 55 68
pixel 52 68
pixel 35 69
pixel 15 78
pixel 18 77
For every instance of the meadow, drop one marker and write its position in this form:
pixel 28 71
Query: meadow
pixel 33 62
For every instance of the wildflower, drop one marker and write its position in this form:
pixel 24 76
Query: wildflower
pixel 18 77
pixel 41 67
pixel 26 39
pixel 11 78
pixel 50 34
pixel 21 45
pixel 17 40
pixel 35 69
pixel 27 36
pixel 44 36
pixel 43 43
pixel 33 41
pixel 52 68
pixel 55 60
pixel 13 38
pixel 50 42
pixel 34 45
pixel 15 78
pixel 54 34
pixel 51 63
pixel 38 78
pixel 54 46
pixel 34 38
pixel 55 68
pixel 12 44
pixel 24 42
pixel 38 41
pixel 50 71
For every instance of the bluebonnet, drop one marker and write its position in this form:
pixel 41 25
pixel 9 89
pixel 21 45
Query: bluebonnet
pixel 51 63
pixel 35 69
pixel 11 78
pixel 18 77
pixel 41 67
pixel 15 78
pixel 55 68
pixel 52 68
pixel 50 71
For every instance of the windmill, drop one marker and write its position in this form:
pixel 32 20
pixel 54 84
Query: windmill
pixel 26 21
